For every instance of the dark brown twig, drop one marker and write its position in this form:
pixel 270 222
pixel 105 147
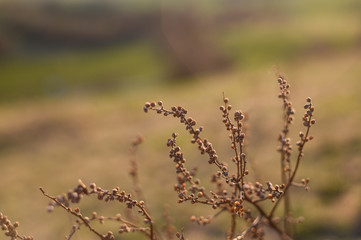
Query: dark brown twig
pixel 74 213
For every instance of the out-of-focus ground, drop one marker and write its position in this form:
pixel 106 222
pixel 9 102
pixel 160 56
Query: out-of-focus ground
pixel 75 75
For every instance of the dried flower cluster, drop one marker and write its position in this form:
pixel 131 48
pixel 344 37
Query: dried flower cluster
pixel 81 190
pixel 233 192
pixel 10 228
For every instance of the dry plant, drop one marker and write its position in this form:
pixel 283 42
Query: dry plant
pixel 11 228
pixel 233 194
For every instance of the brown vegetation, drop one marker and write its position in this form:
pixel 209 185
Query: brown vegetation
pixel 234 194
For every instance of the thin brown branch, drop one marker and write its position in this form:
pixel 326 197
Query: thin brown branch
pixel 233 226
pixel 305 139
pixel 72 212
pixel 245 232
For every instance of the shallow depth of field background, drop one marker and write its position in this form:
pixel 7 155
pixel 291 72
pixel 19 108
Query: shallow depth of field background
pixel 74 76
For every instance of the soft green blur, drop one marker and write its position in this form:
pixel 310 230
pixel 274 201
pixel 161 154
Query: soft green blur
pixel 74 76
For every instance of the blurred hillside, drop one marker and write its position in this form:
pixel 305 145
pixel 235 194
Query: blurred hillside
pixel 74 76
pixel 50 48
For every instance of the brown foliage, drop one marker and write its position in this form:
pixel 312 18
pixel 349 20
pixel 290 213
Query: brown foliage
pixel 233 193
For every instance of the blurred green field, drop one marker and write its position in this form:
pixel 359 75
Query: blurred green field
pixel 82 71
pixel 72 114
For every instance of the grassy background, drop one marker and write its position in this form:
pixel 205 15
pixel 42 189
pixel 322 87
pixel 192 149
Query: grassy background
pixel 70 112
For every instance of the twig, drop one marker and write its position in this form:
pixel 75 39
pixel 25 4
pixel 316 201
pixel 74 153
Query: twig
pixel 308 122
pixel 78 215
pixel 245 232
